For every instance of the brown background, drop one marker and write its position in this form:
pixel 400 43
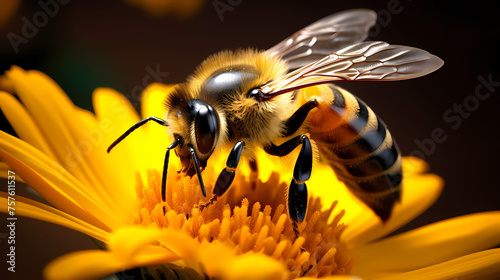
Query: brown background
pixel 91 44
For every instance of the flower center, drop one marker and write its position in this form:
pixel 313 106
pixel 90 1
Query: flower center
pixel 249 217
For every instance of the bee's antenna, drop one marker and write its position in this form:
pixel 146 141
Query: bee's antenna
pixel 197 166
pixel 165 167
pixel 134 127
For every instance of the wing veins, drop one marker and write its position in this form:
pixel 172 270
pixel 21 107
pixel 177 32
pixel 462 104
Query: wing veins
pixel 358 62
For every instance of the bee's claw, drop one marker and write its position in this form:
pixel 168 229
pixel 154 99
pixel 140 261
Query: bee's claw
pixel 210 202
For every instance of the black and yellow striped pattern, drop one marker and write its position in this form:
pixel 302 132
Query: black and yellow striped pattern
pixel 360 149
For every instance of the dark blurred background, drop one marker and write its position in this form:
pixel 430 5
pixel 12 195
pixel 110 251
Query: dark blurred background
pixel 90 44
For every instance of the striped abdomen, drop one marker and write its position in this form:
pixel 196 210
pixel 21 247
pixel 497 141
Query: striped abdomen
pixel 359 148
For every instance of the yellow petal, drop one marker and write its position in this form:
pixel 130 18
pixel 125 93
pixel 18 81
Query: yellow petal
pixel 110 104
pixel 95 264
pixel 77 140
pixel 92 128
pixel 179 243
pixel 111 170
pixel 215 257
pixel 91 264
pixel 23 124
pixel 153 100
pixel 128 248
pixel 419 192
pixel 153 104
pixel 32 209
pixel 28 130
pixel 4 172
pixel 254 266
pixel 429 245
pixel 414 165
pixel 55 115
pixel 481 265
pixel 134 150
pixel 52 182
pixel 362 224
pixel 335 190
pixel 126 242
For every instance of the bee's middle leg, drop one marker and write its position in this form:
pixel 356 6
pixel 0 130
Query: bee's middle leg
pixel 297 119
pixel 226 177
pixel 297 192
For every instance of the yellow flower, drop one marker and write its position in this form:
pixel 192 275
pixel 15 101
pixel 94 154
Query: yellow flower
pixel 115 199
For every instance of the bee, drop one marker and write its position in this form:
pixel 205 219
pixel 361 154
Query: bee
pixel 249 99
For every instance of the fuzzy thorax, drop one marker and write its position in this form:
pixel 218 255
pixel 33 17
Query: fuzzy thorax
pixel 241 117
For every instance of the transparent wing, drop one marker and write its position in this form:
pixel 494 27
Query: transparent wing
pixel 365 61
pixel 324 37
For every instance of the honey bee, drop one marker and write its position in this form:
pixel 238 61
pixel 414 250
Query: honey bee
pixel 248 99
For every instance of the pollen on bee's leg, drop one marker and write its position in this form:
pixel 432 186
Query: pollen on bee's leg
pixel 211 201
pixel 296 232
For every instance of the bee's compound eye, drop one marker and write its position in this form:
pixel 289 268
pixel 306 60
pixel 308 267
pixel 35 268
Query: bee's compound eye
pixel 206 125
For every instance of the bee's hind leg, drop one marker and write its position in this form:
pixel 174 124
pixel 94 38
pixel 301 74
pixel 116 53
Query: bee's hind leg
pixel 226 177
pixel 297 192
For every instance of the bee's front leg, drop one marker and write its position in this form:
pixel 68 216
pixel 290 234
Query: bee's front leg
pixel 297 192
pixel 226 177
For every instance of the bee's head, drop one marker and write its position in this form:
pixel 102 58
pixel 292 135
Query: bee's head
pixel 196 126
pixel 204 128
